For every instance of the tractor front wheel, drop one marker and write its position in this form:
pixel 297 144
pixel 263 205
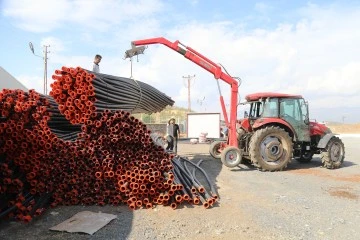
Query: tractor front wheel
pixel 271 148
pixel 231 156
pixel 214 149
pixel 334 153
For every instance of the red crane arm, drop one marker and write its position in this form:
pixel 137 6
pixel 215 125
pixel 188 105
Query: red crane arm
pixel 211 67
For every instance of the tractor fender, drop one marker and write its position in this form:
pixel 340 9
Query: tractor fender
pixel 324 140
pixel 272 121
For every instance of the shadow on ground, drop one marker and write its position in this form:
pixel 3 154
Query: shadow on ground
pixel 293 165
pixel 37 229
pixel 199 153
pixel 314 163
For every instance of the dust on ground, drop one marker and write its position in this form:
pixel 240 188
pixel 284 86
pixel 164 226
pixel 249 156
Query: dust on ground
pixel 343 192
pixel 328 174
pixel 342 128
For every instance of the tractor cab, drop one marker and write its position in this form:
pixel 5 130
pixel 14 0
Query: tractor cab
pixel 288 111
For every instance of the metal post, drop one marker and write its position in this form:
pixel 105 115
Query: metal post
pixel 189 78
pixel 131 68
pixel 45 68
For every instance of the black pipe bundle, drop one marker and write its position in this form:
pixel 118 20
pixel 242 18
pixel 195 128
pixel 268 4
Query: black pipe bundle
pixel 58 124
pixel 127 94
pixel 199 190
pixel 81 93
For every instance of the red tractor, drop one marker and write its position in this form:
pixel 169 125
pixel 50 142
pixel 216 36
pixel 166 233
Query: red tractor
pixel 276 130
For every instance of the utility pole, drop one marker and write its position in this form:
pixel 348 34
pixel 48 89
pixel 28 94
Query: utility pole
pixel 45 51
pixel 188 85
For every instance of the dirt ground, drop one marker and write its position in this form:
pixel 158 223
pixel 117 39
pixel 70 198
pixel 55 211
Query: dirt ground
pixel 345 128
pixel 305 201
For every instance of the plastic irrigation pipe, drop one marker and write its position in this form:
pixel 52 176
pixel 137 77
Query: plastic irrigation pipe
pixel 136 87
pixel 196 183
pixel 189 179
pixel 194 172
pixel 183 181
pixel 205 174
pixel 186 189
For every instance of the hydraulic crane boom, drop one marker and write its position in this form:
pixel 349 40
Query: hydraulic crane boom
pixel 208 65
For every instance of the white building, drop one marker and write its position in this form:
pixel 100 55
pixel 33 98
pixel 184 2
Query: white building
pixel 9 82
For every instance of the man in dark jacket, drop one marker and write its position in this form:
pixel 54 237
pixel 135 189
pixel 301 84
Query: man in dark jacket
pixel 173 134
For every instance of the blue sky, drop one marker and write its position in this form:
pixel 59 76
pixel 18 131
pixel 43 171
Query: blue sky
pixel 303 47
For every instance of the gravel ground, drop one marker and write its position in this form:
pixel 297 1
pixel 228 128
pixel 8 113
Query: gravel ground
pixel 303 202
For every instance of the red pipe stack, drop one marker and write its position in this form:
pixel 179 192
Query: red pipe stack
pixel 72 89
pixel 113 160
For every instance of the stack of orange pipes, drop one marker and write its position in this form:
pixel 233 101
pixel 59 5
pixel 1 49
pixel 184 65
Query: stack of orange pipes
pixel 112 161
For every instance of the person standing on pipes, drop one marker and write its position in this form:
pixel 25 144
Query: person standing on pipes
pixel 97 60
pixel 172 135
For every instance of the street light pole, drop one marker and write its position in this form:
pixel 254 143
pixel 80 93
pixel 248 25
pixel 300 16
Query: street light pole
pixel 45 58
pixel 45 67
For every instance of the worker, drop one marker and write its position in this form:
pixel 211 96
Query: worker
pixel 97 60
pixel 172 135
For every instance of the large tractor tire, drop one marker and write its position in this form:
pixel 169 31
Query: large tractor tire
pixel 214 149
pixel 231 156
pixel 333 155
pixel 271 148
pixel 305 158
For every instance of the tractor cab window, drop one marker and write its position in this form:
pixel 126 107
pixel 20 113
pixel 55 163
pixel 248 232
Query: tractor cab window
pixel 270 108
pixel 290 110
pixel 295 112
pixel 304 111
pixel 264 108
pixel 255 109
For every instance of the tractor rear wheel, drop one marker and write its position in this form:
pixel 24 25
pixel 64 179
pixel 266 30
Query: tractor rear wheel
pixel 214 149
pixel 305 158
pixel 231 156
pixel 334 153
pixel 271 148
